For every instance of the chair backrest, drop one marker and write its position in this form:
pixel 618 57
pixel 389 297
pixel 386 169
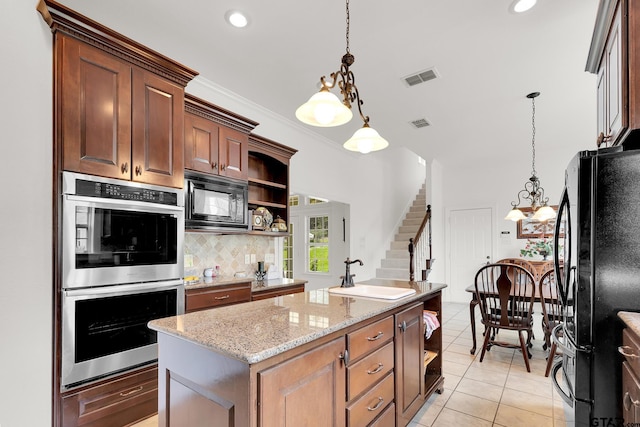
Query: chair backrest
pixel 522 263
pixel 550 298
pixel 505 294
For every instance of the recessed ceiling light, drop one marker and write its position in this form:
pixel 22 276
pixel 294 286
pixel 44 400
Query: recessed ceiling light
pixel 236 18
pixel 519 6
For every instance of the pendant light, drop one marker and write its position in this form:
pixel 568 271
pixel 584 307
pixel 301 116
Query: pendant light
pixel 324 109
pixel 533 191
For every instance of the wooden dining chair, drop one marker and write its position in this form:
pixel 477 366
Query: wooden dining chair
pixel 505 294
pixel 552 314
pixel 522 263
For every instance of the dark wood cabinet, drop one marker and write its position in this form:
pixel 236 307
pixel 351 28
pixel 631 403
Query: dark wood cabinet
pixel 216 296
pixel 269 176
pixel 409 362
pixel 630 350
pixel 266 292
pixel 116 119
pixel 216 140
pixel 614 56
pixel 118 401
pixel 305 390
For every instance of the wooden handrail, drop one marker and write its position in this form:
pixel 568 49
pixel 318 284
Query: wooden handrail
pixel 426 222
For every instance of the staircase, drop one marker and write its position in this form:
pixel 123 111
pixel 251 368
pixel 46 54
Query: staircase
pixel 396 263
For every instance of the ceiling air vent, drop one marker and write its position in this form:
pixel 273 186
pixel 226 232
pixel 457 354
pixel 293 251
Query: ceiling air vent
pixel 420 123
pixel 421 77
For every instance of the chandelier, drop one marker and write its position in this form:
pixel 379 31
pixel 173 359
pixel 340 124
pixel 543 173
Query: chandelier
pixel 533 191
pixel 324 109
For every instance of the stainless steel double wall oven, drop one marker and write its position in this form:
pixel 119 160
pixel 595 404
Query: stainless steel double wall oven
pixel 122 256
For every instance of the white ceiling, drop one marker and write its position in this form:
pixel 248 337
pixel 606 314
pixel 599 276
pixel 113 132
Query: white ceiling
pixel 488 60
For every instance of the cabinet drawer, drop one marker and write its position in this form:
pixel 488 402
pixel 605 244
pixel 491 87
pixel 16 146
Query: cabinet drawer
pixel 630 394
pixel 204 298
pixel 369 406
pixel 369 338
pixel 122 400
pixel 363 374
pixel 387 419
pixel 631 350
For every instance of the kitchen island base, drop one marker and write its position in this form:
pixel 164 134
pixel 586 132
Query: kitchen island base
pixel 311 359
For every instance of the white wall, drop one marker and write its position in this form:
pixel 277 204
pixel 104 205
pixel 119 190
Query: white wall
pixel 25 217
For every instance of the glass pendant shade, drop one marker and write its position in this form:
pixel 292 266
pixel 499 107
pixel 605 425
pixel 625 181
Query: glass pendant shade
pixel 544 213
pixel 365 140
pixel 515 215
pixel 324 109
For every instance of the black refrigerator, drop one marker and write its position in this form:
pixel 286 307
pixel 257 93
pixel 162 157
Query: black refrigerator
pixel 597 257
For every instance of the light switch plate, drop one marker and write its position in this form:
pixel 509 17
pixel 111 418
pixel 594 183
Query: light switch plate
pixel 247 259
pixel 188 261
pixel 253 258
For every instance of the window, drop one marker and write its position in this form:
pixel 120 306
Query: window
pixel 316 200
pixel 319 244
pixel 294 200
pixel 287 254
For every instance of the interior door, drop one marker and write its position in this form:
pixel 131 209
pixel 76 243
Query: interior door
pixel 470 247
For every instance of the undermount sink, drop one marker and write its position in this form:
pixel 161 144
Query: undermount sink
pixel 369 291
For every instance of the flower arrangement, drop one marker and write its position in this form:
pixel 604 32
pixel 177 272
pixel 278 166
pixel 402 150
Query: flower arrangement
pixel 535 247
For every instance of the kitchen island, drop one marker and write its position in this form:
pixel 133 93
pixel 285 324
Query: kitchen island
pixel 309 358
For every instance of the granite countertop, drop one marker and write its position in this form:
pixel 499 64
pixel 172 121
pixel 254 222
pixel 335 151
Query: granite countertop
pixel 632 320
pixel 254 331
pixel 206 282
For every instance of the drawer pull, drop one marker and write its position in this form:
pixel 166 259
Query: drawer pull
pixel 628 401
pixel 221 298
pixel 378 405
pixel 375 371
pixel 130 392
pixel 377 337
pixel 627 351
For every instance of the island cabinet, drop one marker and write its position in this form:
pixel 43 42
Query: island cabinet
pixel 117 119
pixel 312 358
pixel 630 351
pixel 269 176
pixel 215 140
pixel 614 56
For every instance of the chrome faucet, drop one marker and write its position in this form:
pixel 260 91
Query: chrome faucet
pixel 347 279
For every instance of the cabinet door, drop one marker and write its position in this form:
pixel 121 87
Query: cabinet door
pixel 409 362
pixel 613 58
pixel 158 130
pixel 308 390
pixel 201 144
pixel 234 153
pixel 95 110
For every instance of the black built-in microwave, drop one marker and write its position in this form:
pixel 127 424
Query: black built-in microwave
pixel 215 202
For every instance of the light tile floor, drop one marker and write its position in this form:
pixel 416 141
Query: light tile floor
pixel 497 392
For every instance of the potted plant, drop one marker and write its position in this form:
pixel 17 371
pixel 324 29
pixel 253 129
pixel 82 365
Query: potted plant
pixel 542 247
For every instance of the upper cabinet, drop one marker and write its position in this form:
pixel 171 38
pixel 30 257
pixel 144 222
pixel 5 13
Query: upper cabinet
pixel 614 56
pixel 215 140
pixel 269 176
pixel 119 105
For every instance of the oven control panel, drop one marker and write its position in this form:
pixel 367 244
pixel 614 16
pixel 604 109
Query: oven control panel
pixel 125 192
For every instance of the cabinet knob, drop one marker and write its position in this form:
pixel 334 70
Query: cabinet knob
pixel 627 351
pixel 344 357
pixel 214 165
pixel 602 138
pixel 125 167
pixel 628 402
pixel 138 170
pixel 402 326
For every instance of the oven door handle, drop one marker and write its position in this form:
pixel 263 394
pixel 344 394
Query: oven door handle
pixel 131 205
pixel 127 288
pixel 563 394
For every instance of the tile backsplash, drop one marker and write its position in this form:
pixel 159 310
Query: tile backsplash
pixel 227 251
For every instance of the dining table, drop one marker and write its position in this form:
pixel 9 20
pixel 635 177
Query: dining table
pixel 474 302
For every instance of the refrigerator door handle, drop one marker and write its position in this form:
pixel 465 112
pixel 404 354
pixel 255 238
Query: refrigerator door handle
pixel 562 281
pixel 566 396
